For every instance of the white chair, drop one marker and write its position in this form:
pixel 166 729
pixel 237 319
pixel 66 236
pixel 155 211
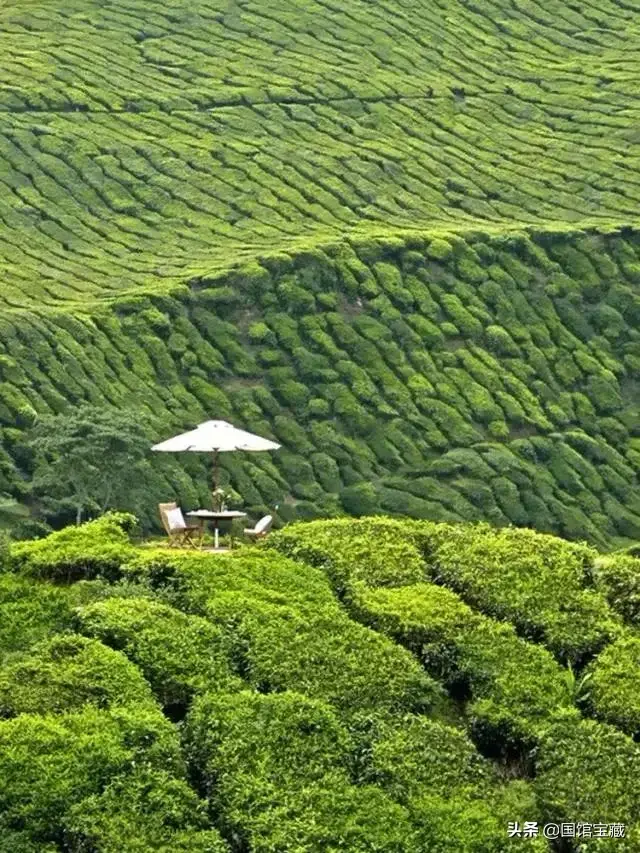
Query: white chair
pixel 261 529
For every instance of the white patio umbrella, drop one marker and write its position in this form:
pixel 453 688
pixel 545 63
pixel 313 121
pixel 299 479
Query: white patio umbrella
pixel 215 437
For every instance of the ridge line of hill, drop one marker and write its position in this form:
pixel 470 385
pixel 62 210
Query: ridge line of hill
pixel 298 247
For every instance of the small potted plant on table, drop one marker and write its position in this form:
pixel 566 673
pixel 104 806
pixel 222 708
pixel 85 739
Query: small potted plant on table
pixel 224 498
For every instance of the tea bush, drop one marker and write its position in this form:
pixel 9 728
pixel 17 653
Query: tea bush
pixel 611 684
pixel 539 582
pixel 277 766
pixel 66 673
pixel 48 764
pixel 280 628
pixel 513 686
pixel 378 552
pixel 424 754
pixel 383 392
pixel 189 580
pixel 325 695
pixel 587 773
pixel 178 654
pixel 325 655
pixel 453 795
pixel 420 275
pixel 29 611
pixel 545 586
pixel 619 577
pixel 95 549
pixel 149 808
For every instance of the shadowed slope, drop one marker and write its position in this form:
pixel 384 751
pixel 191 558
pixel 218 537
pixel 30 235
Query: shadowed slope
pixel 487 378
pixel 398 237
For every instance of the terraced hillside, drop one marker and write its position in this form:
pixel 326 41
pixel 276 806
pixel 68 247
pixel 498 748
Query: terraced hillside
pixel 142 146
pixel 374 686
pixel 446 379
pixel 398 237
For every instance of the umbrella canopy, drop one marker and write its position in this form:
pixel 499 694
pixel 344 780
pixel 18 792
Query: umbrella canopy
pixel 215 437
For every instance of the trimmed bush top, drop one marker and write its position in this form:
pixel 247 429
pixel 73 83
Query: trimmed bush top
pixel 351 703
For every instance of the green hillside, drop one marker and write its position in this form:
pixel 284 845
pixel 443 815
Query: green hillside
pixel 443 378
pixel 373 686
pixel 145 146
pixel 399 238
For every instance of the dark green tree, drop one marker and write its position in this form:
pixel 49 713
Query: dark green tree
pixel 90 458
pixel 11 512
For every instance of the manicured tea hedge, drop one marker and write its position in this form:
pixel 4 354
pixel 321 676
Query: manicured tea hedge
pixel 383 389
pixel 540 583
pixel 65 674
pixel 301 723
pixel 148 809
pixel 420 274
pixel 545 586
pixel 29 611
pixel 454 796
pixel 619 576
pixel 282 629
pixel 514 690
pixel 141 176
pixel 276 766
pixel 49 764
pixel 96 549
pixel 375 551
pixel 326 656
pixel 513 686
pixel 588 773
pixel 612 685
pixel 178 654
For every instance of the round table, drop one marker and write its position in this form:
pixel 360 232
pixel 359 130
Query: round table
pixel 211 515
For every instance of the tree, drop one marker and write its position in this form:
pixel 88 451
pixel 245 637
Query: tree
pixel 11 512
pixel 90 457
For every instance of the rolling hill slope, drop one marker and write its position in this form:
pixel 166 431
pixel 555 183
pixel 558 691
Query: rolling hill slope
pixel 142 146
pixel 399 237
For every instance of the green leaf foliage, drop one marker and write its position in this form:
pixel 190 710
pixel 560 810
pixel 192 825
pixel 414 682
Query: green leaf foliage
pixel 619 576
pixel 50 763
pixel 400 239
pixel 282 629
pixel 436 772
pixel 612 685
pixel 178 654
pixel 66 673
pixel 376 551
pixel 320 692
pixel 376 363
pixel 95 549
pixel 29 611
pixel 151 809
pixel 91 455
pixel 589 769
pixel 540 583
pixel 278 767
pixel 325 656
pixel 544 585
pixel 512 685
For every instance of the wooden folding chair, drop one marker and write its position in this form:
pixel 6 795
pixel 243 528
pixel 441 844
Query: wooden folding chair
pixel 181 534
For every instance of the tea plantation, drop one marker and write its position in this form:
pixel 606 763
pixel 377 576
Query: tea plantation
pixel 343 686
pixel 398 238
pixel 142 146
pixel 477 378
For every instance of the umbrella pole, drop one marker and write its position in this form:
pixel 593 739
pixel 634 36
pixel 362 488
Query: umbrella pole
pixel 215 470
